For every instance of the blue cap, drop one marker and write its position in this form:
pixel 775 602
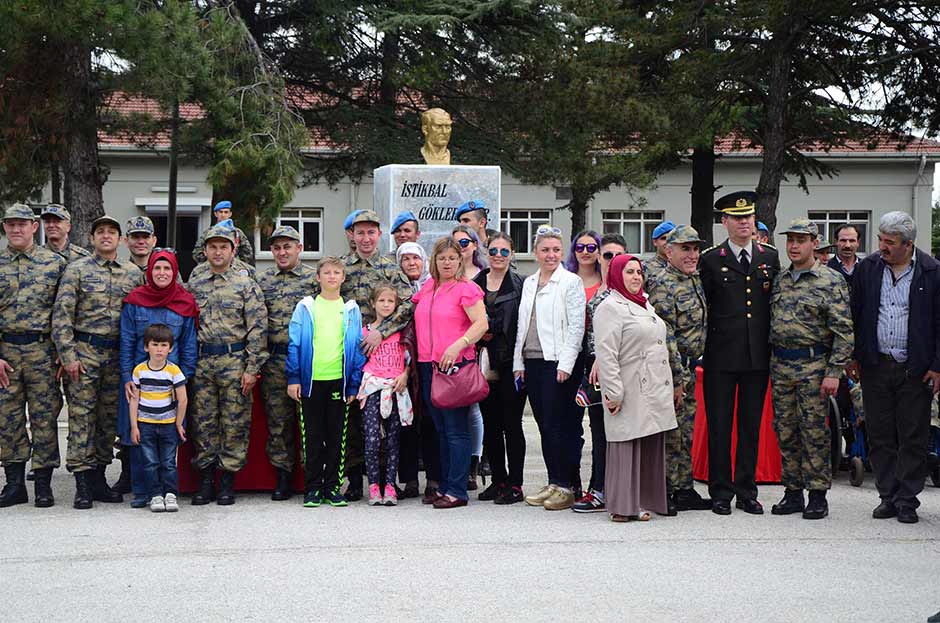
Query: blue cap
pixel 762 227
pixel 403 218
pixel 470 206
pixel 663 228
pixel 222 205
pixel 226 224
pixel 348 223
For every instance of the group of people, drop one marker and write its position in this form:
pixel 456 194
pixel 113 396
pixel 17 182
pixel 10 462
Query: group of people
pixel 355 355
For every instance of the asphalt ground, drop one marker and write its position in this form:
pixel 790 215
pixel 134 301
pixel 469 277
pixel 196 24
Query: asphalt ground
pixel 264 561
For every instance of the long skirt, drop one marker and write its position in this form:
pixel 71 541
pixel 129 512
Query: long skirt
pixel 635 478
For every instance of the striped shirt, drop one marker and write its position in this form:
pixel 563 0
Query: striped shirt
pixel 157 392
pixel 894 312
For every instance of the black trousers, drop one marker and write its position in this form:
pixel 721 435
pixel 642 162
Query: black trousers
pixel 323 426
pixel 409 442
pixel 598 435
pixel 430 449
pixel 719 388
pixel 503 438
pixel 897 419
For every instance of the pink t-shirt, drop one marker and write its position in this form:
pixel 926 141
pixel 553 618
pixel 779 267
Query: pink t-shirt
pixel 450 319
pixel 388 360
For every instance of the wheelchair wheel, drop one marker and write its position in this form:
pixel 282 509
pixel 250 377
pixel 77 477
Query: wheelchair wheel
pixel 856 472
pixel 835 432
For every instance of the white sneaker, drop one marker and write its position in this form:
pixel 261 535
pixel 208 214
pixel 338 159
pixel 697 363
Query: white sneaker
pixel 169 501
pixel 156 504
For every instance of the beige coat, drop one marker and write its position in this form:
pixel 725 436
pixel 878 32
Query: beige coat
pixel 633 368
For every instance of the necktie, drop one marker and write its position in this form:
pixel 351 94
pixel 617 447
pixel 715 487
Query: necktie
pixel 745 262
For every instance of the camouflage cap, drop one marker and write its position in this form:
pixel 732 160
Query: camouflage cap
pixel 824 245
pixel 19 211
pixel 57 210
pixel 366 216
pixel 139 225
pixel 284 231
pixel 683 234
pixel 101 220
pixel 802 226
pixel 220 232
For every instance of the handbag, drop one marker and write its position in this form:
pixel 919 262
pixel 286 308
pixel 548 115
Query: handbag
pixel 589 394
pixel 462 385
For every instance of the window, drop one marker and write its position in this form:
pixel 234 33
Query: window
pixel 829 221
pixel 636 227
pixel 521 226
pixel 307 221
pixel 40 235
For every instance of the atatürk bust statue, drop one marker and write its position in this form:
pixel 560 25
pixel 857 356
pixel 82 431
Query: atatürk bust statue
pixel 436 127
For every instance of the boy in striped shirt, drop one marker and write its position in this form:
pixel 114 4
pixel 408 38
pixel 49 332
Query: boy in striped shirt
pixel 159 403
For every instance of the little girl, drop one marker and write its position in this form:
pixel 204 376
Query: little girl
pixel 383 396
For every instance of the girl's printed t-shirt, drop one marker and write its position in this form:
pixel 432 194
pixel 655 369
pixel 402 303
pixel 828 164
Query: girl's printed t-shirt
pixel 450 319
pixel 388 359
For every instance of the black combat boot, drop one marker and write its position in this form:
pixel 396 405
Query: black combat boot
pixel 282 491
pixel 818 507
pixel 226 489
pixel 82 490
pixel 100 491
pixel 792 502
pixel 123 484
pixel 14 492
pixel 690 500
pixel 206 492
pixel 43 488
pixel 671 509
pixel 354 490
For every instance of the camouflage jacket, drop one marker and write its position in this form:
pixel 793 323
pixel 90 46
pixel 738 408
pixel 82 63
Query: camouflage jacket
pixel 70 253
pixel 91 295
pixel 29 281
pixel 282 291
pixel 244 252
pixel 231 309
pixel 592 305
pixel 201 270
pixel 362 275
pixel 680 301
pixel 814 309
pixel 653 267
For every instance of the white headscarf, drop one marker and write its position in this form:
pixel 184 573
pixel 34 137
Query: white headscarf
pixel 415 249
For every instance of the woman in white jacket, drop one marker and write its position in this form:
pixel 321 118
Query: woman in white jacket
pixel 551 327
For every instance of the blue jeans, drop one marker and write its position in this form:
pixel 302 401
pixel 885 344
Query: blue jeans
pixel 158 444
pixel 453 431
pixel 558 421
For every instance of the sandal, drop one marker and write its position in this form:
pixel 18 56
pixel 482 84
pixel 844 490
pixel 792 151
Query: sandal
pixel 619 518
pixel 643 516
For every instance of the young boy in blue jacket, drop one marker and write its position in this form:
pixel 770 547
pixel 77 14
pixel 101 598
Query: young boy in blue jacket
pixel 324 370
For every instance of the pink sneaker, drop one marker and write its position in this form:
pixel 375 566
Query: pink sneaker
pixel 391 498
pixel 375 496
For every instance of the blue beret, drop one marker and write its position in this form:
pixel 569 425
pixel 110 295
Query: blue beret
pixel 226 224
pixel 663 228
pixel 403 218
pixel 348 223
pixel 470 206
pixel 222 205
pixel 762 227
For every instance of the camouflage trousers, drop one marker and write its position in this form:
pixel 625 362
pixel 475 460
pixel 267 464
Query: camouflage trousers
pixel 33 385
pixel 93 408
pixel 679 444
pixel 800 421
pixel 282 413
pixel 221 415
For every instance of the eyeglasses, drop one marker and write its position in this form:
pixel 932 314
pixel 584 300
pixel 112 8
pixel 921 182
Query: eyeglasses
pixel 544 230
pixel 609 255
pixel 464 243
pixel 495 252
pixel 581 248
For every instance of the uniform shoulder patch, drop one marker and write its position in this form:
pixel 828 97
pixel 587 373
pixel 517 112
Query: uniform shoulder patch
pixel 768 245
pixel 711 248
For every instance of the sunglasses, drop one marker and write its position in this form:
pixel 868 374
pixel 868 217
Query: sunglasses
pixel 547 229
pixel 464 243
pixel 503 252
pixel 581 248
pixel 167 249
pixel 609 255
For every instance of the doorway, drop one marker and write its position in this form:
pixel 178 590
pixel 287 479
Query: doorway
pixel 187 231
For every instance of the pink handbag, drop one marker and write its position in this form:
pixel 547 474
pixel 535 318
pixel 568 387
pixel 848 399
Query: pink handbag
pixel 462 385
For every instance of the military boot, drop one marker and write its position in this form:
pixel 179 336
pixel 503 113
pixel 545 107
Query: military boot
pixel 14 492
pixel 123 484
pixel 282 491
pixel 818 507
pixel 82 490
pixel 100 491
pixel 226 489
pixel 205 494
pixel 43 488
pixel 690 500
pixel 792 502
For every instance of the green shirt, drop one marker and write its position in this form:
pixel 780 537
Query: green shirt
pixel 327 339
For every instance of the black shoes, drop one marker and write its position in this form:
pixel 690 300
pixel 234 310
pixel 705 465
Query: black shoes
pixel 690 500
pixel 82 490
pixel 721 507
pixel 792 502
pixel 205 494
pixel 411 490
pixel 492 492
pixel 14 491
pixel 100 491
pixel 885 510
pixel 511 495
pixel 751 507
pixel 472 478
pixel 226 489
pixel 282 491
pixel 671 509
pixel 907 514
pixel 42 485
pixel 354 490
pixel 818 507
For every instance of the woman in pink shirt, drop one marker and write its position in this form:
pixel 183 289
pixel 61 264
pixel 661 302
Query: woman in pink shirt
pixel 449 319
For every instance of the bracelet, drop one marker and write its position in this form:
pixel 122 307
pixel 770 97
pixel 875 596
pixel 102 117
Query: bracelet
pixel 464 338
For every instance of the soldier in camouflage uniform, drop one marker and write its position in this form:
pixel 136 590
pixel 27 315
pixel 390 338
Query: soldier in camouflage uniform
pixel 140 240
pixel 222 212
pixel 242 268
pixel 86 324
pixel 366 267
pixel 29 279
pixel 812 338
pixel 283 287
pixel 57 223
pixel 232 334
pixel 658 263
pixel 676 293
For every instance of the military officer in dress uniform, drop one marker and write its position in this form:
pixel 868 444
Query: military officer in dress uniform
pixel 812 340
pixel 737 277
pixel 57 223
pixel 283 286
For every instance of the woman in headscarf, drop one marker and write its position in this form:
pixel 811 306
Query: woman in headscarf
pixel 413 261
pixel 161 300
pixel 636 385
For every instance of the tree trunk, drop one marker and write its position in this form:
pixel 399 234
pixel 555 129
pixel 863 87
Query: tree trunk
pixel 55 181
pixel 579 206
pixel 171 196
pixel 83 177
pixel 703 191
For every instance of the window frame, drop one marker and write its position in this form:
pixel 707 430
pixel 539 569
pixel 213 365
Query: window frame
pixel 532 225
pixel 300 219
pixel 642 217
pixel 827 225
